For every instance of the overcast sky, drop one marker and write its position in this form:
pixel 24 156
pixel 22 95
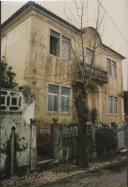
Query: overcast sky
pixel 114 27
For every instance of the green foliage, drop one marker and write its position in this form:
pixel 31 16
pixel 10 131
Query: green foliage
pixel 55 120
pixel 7 75
pixel 6 149
pixel 105 141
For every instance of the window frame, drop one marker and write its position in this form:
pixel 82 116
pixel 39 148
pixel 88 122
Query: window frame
pixel 66 96
pixel 69 57
pixel 49 48
pixel 59 98
pixel 90 49
pixel 54 94
pixel 113 104
pixel 113 65
pixel 60 44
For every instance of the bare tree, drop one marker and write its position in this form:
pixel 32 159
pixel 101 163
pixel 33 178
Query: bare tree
pixel 80 86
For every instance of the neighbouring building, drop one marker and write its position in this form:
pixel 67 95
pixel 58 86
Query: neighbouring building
pixel 126 102
pixel 36 43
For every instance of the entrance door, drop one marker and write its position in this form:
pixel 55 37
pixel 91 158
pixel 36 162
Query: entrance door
pixel 44 143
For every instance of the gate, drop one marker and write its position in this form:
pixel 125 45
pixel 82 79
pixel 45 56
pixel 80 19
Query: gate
pixel 121 135
pixel 44 143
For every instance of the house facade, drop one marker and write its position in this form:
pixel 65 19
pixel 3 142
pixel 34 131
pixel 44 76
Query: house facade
pixel 37 44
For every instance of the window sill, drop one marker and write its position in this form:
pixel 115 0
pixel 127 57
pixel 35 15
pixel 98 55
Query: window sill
pixel 59 113
pixel 113 78
pixel 111 114
pixel 59 57
pixel 54 56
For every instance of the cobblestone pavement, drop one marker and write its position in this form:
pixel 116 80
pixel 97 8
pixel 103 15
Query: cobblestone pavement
pixel 101 178
pixel 68 175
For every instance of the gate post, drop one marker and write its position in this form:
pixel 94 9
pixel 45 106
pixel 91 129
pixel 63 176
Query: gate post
pixel 55 140
pixel 33 148
pixel 12 148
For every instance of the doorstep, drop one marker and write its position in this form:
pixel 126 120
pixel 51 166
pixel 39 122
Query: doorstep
pixel 46 164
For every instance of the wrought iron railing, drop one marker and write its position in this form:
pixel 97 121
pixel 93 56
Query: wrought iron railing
pixel 93 72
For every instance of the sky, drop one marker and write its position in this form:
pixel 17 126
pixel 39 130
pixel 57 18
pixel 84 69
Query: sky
pixel 114 31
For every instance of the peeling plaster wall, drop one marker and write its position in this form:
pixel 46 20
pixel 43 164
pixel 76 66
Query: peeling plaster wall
pixel 40 68
pixel 21 122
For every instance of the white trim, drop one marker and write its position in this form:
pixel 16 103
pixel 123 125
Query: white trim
pixel 109 60
pixel 60 43
pixel 59 99
pixel 113 96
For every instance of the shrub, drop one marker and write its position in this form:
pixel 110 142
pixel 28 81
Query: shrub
pixel 105 141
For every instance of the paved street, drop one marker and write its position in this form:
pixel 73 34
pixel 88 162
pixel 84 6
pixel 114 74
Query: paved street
pixel 116 177
pixel 67 175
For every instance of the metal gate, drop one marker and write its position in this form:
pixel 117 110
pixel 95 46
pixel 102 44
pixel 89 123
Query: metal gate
pixel 121 135
pixel 44 142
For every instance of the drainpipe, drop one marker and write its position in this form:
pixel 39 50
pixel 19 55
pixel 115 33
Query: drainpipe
pixel 30 142
pixel 0 129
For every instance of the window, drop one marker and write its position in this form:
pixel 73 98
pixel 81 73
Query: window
pixel 9 100
pixel 54 43
pixel 89 56
pixel 65 93
pixel 115 105
pixel 112 104
pixel 114 71
pixel 58 98
pixel 53 96
pixel 66 48
pixel 54 47
pixel 111 67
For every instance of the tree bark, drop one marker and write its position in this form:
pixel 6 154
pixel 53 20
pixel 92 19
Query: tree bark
pixel 79 92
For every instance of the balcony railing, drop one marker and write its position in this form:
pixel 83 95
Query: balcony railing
pixel 93 72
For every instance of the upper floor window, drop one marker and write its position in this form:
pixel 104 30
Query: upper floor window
pixel 54 43
pixel 89 56
pixel 59 45
pixel 66 44
pixel 113 104
pixel 112 69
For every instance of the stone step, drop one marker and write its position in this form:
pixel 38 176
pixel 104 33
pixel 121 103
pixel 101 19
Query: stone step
pixel 46 164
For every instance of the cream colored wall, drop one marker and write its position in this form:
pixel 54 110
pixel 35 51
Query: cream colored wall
pixel 113 87
pixel 15 46
pixel 49 69
pixel 30 41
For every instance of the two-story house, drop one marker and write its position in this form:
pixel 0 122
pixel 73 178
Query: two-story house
pixel 36 43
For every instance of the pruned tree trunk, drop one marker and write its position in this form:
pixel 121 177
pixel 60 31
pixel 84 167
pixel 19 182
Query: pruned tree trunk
pixel 79 92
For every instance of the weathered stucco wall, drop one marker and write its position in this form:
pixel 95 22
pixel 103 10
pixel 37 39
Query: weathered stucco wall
pixel 31 45
pixel 25 138
pixel 15 47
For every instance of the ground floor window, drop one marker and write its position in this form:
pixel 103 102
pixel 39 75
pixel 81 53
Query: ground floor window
pixel 113 104
pixel 58 98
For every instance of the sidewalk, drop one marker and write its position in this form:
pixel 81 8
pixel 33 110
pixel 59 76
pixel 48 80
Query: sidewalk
pixel 60 172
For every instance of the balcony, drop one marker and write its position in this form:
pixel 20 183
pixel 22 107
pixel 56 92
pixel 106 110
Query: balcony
pixel 96 73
